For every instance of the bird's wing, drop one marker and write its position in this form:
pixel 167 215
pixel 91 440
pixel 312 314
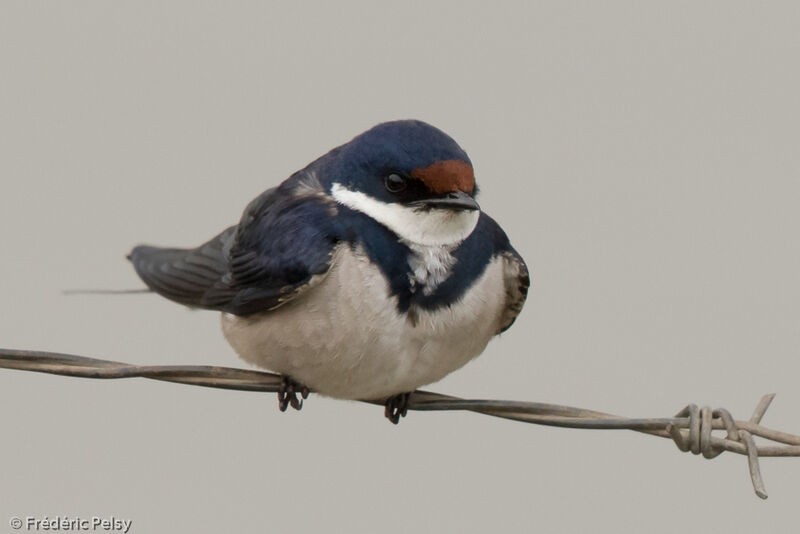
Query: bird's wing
pixel 517 281
pixel 184 275
pixel 282 246
pixel 489 242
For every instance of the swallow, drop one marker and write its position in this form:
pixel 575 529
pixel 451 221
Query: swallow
pixel 365 275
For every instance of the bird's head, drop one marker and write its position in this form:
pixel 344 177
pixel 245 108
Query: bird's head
pixel 410 177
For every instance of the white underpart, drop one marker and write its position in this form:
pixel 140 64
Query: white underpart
pixel 430 266
pixel 429 227
pixel 345 338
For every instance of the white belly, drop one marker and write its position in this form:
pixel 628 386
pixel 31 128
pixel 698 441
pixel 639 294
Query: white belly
pixel 344 338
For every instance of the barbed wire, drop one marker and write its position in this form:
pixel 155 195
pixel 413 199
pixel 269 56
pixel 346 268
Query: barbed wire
pixel 691 428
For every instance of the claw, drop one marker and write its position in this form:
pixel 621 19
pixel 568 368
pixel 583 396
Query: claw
pixel 396 407
pixel 287 394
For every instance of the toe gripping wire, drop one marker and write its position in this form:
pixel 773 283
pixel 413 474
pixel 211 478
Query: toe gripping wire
pixel 697 439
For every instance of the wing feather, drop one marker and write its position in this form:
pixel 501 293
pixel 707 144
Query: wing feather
pixel 183 275
pixel 279 248
pixel 518 281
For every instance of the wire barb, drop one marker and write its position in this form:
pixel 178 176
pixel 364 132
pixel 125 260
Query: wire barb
pixel 691 428
pixel 698 438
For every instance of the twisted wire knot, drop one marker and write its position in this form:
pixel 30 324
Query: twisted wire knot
pixel 701 423
pixel 698 439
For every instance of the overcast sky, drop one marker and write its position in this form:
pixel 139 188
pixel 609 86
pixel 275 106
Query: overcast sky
pixel 643 158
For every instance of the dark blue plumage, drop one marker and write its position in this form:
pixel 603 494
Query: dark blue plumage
pixel 288 234
pixel 399 146
pixel 391 255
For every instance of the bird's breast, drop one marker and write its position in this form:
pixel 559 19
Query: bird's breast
pixel 346 337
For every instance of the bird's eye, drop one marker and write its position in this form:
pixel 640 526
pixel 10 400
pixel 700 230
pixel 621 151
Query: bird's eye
pixel 395 183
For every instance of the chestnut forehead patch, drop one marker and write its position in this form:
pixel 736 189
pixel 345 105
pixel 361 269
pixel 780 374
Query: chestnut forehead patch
pixel 446 176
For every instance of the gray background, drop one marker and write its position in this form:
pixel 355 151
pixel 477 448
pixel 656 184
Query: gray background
pixel 643 157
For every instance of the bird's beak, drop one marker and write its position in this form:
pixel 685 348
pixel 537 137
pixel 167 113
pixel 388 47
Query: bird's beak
pixel 455 200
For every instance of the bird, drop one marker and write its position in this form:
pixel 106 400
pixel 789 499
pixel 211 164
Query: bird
pixel 365 275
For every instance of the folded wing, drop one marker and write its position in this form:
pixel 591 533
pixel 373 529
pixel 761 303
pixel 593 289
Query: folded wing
pixel 281 247
pixel 517 282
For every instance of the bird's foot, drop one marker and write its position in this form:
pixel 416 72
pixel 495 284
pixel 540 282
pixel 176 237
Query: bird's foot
pixel 287 394
pixel 397 407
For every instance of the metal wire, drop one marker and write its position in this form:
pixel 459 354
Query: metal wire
pixel 691 428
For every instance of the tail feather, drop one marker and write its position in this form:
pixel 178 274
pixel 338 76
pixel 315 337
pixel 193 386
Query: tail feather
pixel 183 275
pixel 104 291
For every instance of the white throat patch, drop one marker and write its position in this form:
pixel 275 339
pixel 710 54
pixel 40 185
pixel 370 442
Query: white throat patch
pixel 431 227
